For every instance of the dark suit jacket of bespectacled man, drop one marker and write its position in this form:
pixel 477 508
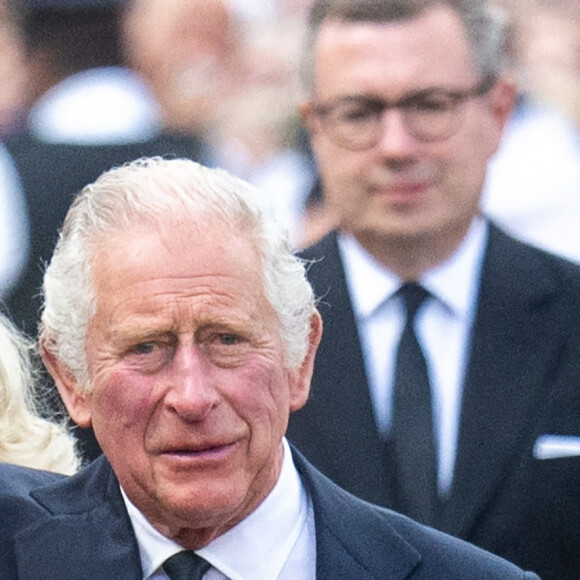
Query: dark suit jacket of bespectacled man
pixel 178 323
pixel 406 103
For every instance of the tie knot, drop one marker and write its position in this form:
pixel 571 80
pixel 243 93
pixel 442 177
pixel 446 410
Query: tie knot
pixel 413 295
pixel 186 565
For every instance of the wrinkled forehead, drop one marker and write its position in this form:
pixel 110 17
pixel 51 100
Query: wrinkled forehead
pixel 174 256
pixel 188 231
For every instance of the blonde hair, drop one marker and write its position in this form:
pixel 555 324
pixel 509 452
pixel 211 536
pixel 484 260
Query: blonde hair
pixel 26 438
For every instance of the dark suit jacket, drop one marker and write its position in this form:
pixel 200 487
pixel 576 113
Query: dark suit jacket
pixel 523 380
pixel 78 529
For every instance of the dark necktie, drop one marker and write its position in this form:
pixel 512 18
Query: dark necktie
pixel 413 440
pixel 186 565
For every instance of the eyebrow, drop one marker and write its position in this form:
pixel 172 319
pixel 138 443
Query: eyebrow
pixel 132 333
pixel 414 94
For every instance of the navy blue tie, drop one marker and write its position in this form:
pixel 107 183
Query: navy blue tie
pixel 413 435
pixel 186 565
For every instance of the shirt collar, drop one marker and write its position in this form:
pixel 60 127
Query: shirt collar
pixel 256 548
pixel 454 282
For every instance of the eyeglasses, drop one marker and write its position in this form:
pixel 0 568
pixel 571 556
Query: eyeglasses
pixel 433 115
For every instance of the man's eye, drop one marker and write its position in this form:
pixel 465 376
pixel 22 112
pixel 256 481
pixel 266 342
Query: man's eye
pixel 433 105
pixel 359 114
pixel 143 348
pixel 229 339
pixel 225 349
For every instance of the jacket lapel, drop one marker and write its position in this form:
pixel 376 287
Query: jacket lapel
pixel 352 539
pixel 348 442
pixel 513 342
pixel 89 537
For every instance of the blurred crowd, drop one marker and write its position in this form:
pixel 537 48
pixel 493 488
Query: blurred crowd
pixel 546 45
pixel 223 70
pixel 227 73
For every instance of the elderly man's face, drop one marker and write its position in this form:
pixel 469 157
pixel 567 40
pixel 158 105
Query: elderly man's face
pixel 189 395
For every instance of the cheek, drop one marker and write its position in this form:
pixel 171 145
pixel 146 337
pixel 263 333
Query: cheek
pixel 344 178
pixel 482 137
pixel 121 404
pixel 327 157
pixel 470 169
pixel 262 399
pixel 463 164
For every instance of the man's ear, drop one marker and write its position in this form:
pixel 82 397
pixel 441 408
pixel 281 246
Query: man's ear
pixel 504 95
pixel 301 377
pixel 74 397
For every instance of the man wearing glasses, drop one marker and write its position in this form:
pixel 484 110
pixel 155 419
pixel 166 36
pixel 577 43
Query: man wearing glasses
pixel 447 382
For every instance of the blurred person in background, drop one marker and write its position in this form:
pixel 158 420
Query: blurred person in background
pixel 78 89
pixel 13 219
pixel 187 51
pixel 26 436
pixel 548 46
pixel 12 73
pixel 218 69
pixel 533 180
pixel 259 134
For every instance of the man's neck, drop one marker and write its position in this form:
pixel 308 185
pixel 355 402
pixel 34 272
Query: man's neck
pixel 410 256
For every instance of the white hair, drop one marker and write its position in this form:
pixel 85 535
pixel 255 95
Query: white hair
pixel 152 191
pixel 26 437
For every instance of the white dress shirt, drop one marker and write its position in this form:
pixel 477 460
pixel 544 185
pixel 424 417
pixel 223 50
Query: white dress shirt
pixel 275 542
pixel 443 327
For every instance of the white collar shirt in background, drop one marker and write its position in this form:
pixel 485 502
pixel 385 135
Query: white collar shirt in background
pixel 443 327
pixel 14 228
pixel 275 542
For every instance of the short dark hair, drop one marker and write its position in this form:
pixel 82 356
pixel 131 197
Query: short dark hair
pixel 482 22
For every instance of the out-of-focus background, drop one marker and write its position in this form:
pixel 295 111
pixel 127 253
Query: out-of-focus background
pixel 85 84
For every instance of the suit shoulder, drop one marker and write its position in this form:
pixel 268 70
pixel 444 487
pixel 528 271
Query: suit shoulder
pixel 444 556
pixel 16 486
pixel 17 506
pixel 18 480
pixel 521 254
pixel 320 249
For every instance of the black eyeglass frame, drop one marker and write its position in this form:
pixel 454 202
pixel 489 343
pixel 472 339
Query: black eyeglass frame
pixel 408 104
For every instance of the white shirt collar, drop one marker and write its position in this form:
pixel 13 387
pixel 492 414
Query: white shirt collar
pixel 256 548
pixel 454 282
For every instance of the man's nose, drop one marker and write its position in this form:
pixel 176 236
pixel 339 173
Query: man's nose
pixel 192 393
pixel 395 139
